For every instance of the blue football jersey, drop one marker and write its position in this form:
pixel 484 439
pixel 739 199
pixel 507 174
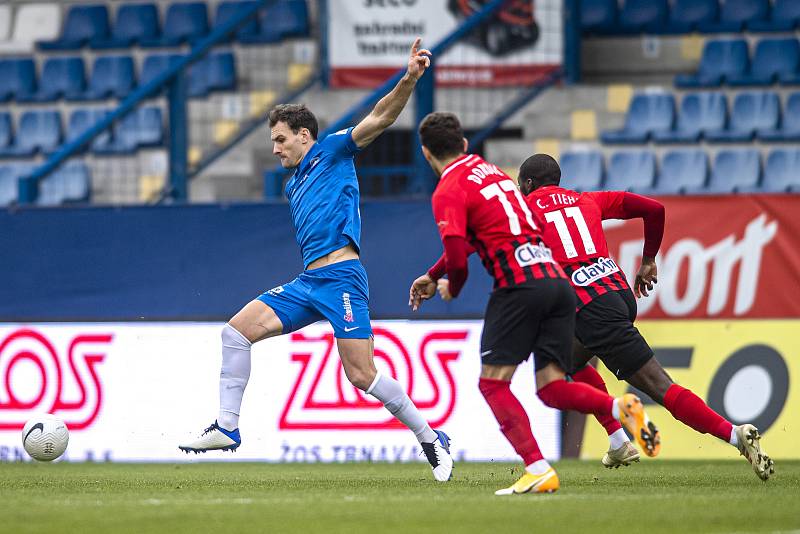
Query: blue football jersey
pixel 323 197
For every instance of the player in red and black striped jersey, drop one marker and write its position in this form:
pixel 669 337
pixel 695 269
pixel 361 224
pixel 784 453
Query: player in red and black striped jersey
pixel 607 307
pixel 532 308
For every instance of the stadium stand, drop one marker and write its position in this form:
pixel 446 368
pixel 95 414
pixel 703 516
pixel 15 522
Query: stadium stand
pixel 637 16
pixel 32 23
pixel 789 129
pixel 631 171
pixel 83 23
pixel 598 16
pixel 682 171
pixel 773 60
pixel 686 15
pixel 133 23
pixel 70 183
pixel 17 79
pixel 112 77
pixel 184 23
pixel 782 171
pixel 582 171
pixel 751 111
pixel 648 113
pixel 721 59
pixel 735 15
pixel 38 131
pixel 735 171
pixel 783 17
pixel 61 77
pixel 699 113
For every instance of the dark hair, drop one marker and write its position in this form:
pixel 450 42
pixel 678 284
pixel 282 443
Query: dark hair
pixel 541 169
pixel 441 134
pixel 296 116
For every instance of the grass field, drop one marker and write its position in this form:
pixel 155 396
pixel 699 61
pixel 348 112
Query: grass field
pixel 654 496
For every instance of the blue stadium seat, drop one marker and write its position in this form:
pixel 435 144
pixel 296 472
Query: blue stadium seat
pixel 6 130
pixel 228 10
pixel 782 171
pixel 751 111
pixel 37 130
pixel 84 22
pixel 112 77
pixel 17 79
pixel 215 72
pixel 631 171
pixel 61 77
pixel 142 127
pixel 70 183
pixel 582 171
pixel 648 113
pixel 281 20
pixel 682 171
pixel 185 22
pixel 773 59
pixel 735 171
pixel 789 129
pixel 156 64
pixel 685 15
pixel 134 23
pixel 81 120
pixel 8 184
pixel 642 16
pixel 699 113
pixel 784 17
pixel 598 15
pixel 720 59
pixel 734 15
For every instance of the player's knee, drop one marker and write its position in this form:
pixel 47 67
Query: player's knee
pixel 362 379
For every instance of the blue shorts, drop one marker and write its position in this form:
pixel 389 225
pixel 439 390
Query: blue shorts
pixel 338 292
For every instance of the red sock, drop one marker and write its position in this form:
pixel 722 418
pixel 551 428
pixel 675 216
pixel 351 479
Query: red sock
pixel 514 422
pixel 690 410
pixel 576 396
pixel 589 375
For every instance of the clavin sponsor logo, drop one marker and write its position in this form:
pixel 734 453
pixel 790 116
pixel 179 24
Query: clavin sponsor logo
pixel 590 273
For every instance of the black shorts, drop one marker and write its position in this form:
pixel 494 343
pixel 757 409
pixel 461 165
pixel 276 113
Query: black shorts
pixel 537 316
pixel 605 328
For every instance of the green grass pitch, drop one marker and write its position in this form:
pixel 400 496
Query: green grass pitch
pixel 232 497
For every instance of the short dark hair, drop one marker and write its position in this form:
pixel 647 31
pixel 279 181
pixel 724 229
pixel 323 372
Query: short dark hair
pixel 296 116
pixel 441 133
pixel 541 169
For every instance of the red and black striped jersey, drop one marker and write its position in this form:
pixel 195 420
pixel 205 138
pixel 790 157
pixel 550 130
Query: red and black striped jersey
pixel 477 201
pixel 573 230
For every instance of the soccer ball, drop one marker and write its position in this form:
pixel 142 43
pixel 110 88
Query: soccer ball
pixel 45 437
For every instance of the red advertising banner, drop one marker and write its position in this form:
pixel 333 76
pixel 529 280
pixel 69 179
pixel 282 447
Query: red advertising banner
pixel 735 256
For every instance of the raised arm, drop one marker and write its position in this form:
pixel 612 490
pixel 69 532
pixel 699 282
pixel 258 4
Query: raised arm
pixel 389 107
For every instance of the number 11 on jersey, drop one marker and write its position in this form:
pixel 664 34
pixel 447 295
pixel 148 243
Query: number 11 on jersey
pixel 574 213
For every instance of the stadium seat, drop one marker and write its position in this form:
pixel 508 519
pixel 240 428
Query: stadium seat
pixel 134 23
pixel 773 59
pixel 789 129
pixel 84 22
pixel 70 183
pixel 6 130
pixel 782 171
pixel 228 10
pixel 720 59
pixel 682 171
pixel 184 23
pixel 784 17
pixel 281 20
pixel 734 15
pixel 751 111
pixel 642 16
pixel 17 79
pixel 81 120
pixel 60 77
pixel 215 72
pixel 38 130
pixel 631 171
pixel 112 77
pixel 582 171
pixel 598 15
pixel 699 113
pixel 33 22
pixel 8 184
pixel 685 15
pixel 735 171
pixel 156 64
pixel 648 113
pixel 142 127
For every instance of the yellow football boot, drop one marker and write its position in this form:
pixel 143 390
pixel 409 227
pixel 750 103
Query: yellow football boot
pixel 635 420
pixel 547 482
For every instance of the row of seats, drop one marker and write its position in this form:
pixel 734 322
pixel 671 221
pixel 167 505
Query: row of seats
pixel 754 115
pixel 111 77
pixel 684 16
pixel 184 22
pixel 683 171
pixel 727 62
pixel 69 183
pixel 41 131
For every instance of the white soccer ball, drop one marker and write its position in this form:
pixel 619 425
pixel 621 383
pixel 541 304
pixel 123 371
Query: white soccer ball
pixel 45 437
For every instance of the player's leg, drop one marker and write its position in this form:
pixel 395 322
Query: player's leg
pixel 340 293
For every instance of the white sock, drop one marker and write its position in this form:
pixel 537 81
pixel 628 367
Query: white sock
pixel 615 409
pixel 233 376
pixel 734 440
pixel 617 439
pixel 389 391
pixel 539 467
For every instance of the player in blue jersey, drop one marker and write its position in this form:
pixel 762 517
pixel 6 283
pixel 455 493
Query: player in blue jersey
pixel 323 200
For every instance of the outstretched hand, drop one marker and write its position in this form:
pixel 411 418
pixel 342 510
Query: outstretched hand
pixel 419 61
pixel 645 278
pixel 422 288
